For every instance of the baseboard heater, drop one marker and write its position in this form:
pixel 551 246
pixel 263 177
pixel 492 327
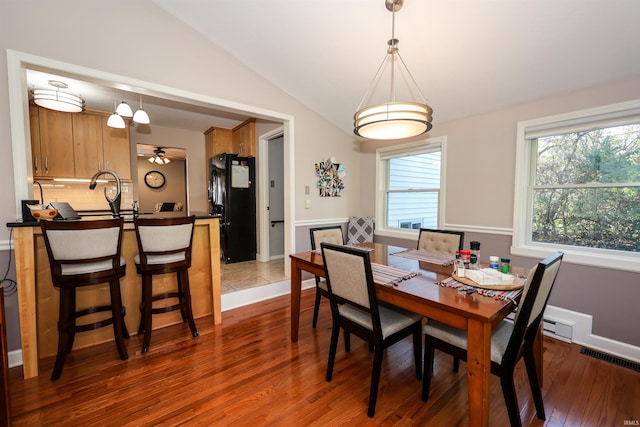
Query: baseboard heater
pixel 554 328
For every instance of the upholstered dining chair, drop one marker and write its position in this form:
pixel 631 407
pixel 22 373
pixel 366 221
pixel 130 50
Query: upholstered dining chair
pixel 164 246
pixel 510 341
pixel 355 309
pixel 85 253
pixel 445 242
pixel 331 234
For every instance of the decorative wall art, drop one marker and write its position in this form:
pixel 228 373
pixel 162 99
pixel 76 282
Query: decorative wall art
pixel 330 174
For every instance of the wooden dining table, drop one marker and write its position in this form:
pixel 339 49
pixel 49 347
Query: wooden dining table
pixel 422 294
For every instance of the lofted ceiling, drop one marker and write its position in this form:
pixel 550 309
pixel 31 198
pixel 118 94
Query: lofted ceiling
pixel 467 56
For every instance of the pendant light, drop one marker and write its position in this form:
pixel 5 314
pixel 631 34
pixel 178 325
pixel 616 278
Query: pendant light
pixel 141 116
pixel 115 120
pixel 392 119
pixel 58 99
pixel 123 109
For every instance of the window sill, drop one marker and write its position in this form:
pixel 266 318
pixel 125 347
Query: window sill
pixel 615 260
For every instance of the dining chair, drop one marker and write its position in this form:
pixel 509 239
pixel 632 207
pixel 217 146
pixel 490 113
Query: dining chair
pixel 510 340
pixel 85 253
pixel 355 309
pixel 331 234
pixel 164 246
pixel 445 242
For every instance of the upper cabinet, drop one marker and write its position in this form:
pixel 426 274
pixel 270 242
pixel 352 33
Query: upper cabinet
pixel 51 143
pixel 77 145
pixel 240 140
pixel 244 138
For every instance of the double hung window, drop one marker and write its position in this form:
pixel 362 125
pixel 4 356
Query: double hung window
pixel 410 186
pixel 578 184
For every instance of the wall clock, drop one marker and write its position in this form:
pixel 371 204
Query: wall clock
pixel 154 179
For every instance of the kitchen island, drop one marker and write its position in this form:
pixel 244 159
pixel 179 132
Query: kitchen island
pixel 38 298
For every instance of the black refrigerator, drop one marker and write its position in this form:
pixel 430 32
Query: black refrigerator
pixel 232 196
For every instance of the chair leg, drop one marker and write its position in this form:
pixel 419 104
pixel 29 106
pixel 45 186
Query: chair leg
pixel 316 308
pixel 335 334
pixel 456 365
pixel 417 351
pixel 141 325
pixel 510 399
pixel 347 341
pixel 532 373
pixel 375 380
pixel 427 372
pixel 65 311
pixel 183 280
pixel 118 320
pixel 146 314
pixel 71 318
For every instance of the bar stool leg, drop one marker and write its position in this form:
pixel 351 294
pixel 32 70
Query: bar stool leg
pixel 65 312
pixel 70 295
pixel 118 319
pixel 147 300
pixel 183 283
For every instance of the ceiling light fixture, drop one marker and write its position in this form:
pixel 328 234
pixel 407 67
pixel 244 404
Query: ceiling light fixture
pixel 141 116
pixel 392 119
pixel 159 157
pixel 115 120
pixel 123 109
pixel 58 99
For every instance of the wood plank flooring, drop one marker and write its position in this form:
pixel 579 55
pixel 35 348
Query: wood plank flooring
pixel 246 372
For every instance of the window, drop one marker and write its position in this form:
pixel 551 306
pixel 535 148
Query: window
pixel 410 186
pixel 578 185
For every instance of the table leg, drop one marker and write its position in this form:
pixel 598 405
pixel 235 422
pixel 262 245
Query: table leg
pixel 296 286
pixel 479 371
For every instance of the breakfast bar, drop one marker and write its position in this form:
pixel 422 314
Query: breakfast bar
pixel 38 298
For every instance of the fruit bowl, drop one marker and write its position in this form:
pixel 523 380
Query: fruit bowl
pixel 42 212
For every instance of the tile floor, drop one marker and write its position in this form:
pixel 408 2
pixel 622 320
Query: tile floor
pixel 249 274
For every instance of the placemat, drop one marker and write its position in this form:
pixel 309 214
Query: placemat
pixel 389 276
pixel 429 257
pixel 499 295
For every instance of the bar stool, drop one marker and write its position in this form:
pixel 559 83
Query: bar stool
pixel 85 253
pixel 164 246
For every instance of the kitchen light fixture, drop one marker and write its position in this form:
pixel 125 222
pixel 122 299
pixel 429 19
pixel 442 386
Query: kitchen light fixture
pixel 141 116
pixel 115 120
pixel 58 99
pixel 159 157
pixel 123 109
pixel 392 119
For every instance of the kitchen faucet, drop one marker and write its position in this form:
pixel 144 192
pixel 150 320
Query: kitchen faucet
pixel 114 203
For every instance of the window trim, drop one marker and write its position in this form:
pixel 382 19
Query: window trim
pixel 522 203
pixel 384 153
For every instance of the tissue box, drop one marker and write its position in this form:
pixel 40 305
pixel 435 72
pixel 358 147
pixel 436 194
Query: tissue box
pixel 489 276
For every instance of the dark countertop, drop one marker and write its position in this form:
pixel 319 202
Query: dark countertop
pixel 126 214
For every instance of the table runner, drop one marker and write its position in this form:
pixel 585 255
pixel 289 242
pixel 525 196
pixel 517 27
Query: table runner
pixel 495 294
pixel 432 258
pixel 390 276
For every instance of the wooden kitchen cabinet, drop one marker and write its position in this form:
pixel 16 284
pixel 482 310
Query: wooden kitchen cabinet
pixel 51 143
pixel 100 147
pixel 77 145
pixel 218 141
pixel 244 138
pixel 116 150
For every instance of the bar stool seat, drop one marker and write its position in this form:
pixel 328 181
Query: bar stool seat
pixel 164 246
pixel 85 253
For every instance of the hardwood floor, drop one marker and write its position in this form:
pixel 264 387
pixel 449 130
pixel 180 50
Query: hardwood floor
pixel 247 372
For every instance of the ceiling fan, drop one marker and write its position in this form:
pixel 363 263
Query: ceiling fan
pixel 159 157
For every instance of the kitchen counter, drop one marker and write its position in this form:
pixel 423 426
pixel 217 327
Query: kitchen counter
pixel 38 298
pixel 127 215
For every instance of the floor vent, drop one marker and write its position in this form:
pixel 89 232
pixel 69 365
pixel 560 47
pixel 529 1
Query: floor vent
pixel 612 359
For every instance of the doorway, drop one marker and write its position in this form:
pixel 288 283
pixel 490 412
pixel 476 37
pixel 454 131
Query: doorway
pixel 276 197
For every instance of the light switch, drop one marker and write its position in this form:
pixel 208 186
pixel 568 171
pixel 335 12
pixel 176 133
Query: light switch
pixel 306 189
pixel 307 203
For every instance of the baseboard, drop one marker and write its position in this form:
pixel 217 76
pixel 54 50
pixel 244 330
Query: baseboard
pixel 15 358
pixel 582 326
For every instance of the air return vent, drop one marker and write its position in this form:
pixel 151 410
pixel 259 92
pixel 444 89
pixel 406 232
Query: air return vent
pixel 611 359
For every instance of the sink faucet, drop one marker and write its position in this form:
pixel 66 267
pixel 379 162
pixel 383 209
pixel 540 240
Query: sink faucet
pixel 114 203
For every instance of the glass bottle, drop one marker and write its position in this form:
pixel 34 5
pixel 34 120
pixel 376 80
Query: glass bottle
pixel 504 265
pixel 475 255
